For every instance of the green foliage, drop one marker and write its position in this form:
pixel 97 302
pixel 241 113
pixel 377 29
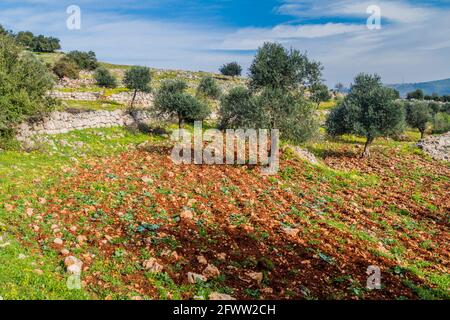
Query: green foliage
pixel 289 112
pixel 104 78
pixel 320 93
pixel 232 69
pixel 277 68
pixel 25 38
pixel 172 100
pixel 417 95
pixel 418 115
pixel 369 110
pixel 137 79
pixel 24 82
pixel 208 87
pixel 66 67
pixel 441 122
pixel 84 60
pixel 238 110
pixel 44 44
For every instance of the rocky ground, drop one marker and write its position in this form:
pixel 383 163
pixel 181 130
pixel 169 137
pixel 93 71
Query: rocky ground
pixel 438 147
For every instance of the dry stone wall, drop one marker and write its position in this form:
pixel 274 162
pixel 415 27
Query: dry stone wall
pixel 142 99
pixel 63 122
pixel 438 147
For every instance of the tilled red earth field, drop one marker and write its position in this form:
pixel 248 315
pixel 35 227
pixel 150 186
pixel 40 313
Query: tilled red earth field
pixel 140 224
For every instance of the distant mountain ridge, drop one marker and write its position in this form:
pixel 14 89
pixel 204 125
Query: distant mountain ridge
pixel 441 87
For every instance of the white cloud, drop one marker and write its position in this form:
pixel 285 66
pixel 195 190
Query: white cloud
pixel 414 46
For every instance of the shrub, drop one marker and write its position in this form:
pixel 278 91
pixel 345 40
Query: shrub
pixel 137 79
pixel 172 101
pixel 84 60
pixel 66 67
pixel 441 123
pixel 418 115
pixel 277 68
pixel 104 78
pixel 24 83
pixel 232 69
pixel 208 88
pixel 369 110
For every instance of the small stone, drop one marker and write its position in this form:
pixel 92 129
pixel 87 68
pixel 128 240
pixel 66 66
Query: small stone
pixel 30 212
pixel 291 231
pixel 64 252
pixel 202 260
pixel 267 290
pixel 38 271
pixel 152 265
pixel 81 239
pixel 194 278
pixel 257 276
pixel 73 265
pixel 220 296
pixel 187 215
pixel 73 228
pixel 211 271
pixel 222 256
pixel 58 241
pixel 137 298
pixel 147 179
pixel 22 256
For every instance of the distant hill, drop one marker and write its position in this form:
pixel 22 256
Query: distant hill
pixel 441 87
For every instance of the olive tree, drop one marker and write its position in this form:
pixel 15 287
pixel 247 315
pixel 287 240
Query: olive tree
pixel 104 78
pixel 369 110
pixel 232 69
pixel 418 115
pixel 172 100
pixel 278 68
pixel 209 88
pixel 137 79
pixel 24 83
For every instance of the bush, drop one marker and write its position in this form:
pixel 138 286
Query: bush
pixel 232 69
pixel 24 83
pixel 104 78
pixel 66 67
pixel 208 88
pixel 418 115
pixel 84 60
pixel 172 101
pixel 137 79
pixel 441 123
pixel 369 110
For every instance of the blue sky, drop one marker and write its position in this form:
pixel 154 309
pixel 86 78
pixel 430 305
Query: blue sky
pixel 413 44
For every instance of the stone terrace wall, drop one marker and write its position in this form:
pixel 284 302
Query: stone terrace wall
pixel 142 99
pixel 63 122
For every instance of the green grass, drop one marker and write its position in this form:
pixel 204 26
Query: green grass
pixel 21 177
